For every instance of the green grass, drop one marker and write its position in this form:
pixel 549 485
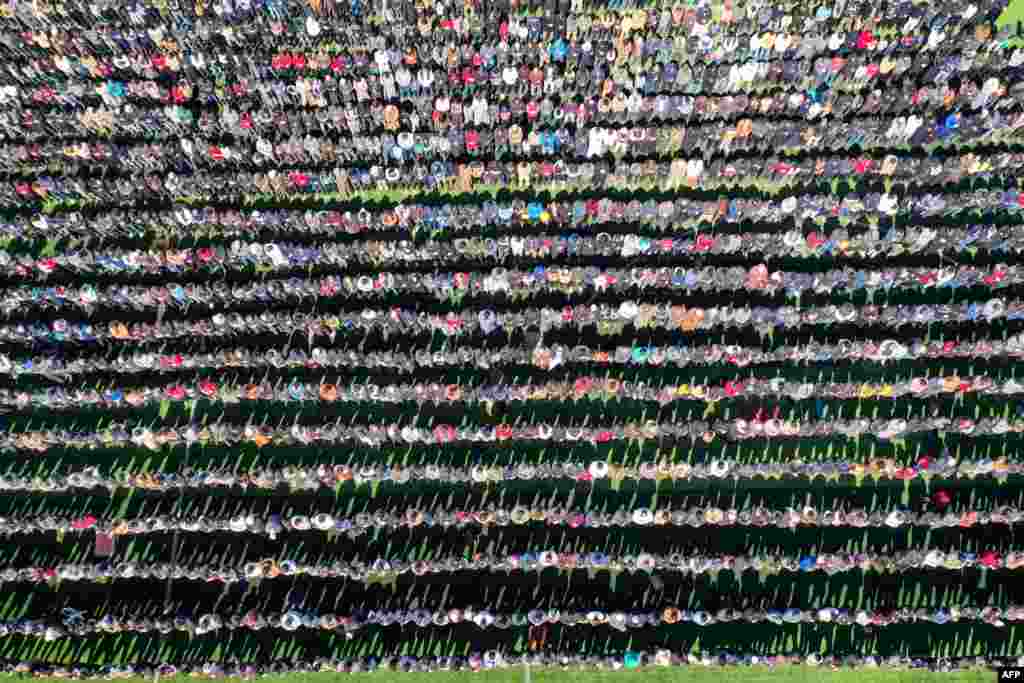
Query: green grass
pixel 1013 14
pixel 795 674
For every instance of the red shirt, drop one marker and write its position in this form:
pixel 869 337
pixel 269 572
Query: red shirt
pixel 865 40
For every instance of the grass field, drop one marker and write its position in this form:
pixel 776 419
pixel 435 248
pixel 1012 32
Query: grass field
pixel 794 674
pixel 1013 14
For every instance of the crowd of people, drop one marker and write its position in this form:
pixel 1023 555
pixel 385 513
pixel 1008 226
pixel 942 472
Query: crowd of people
pixel 334 261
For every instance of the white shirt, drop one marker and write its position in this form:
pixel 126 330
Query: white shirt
pixel 479 108
pixel 888 204
pixel 387 82
pixel 897 129
pixel 596 146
